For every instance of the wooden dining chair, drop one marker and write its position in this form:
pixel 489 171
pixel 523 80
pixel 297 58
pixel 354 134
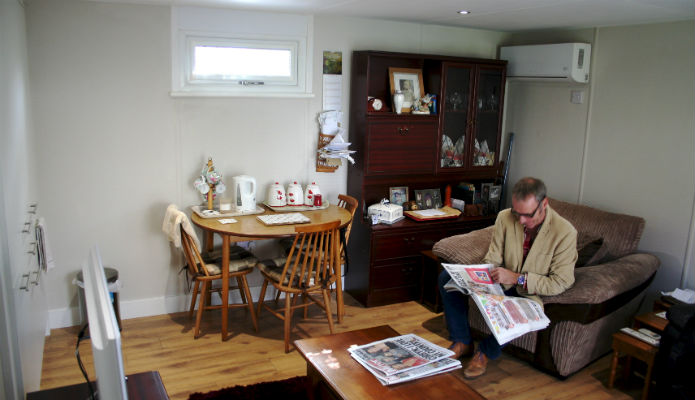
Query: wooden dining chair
pixel 349 203
pixel 241 263
pixel 307 271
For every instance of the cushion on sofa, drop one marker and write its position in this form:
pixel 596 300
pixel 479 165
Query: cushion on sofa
pixel 590 250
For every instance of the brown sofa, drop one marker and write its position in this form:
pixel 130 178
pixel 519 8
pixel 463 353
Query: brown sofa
pixel 610 283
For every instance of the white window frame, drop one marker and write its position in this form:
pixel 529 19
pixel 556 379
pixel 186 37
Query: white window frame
pixel 194 26
pixel 291 46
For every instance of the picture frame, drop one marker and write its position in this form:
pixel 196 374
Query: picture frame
pixel 428 198
pixel 398 195
pixel 494 199
pixel 409 81
pixel 485 191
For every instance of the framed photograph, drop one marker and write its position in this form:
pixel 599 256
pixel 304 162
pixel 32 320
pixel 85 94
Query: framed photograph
pixel 398 195
pixel 408 81
pixel 494 199
pixel 428 198
pixel 485 191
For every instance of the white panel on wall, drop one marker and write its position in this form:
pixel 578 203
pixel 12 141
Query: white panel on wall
pixel 640 157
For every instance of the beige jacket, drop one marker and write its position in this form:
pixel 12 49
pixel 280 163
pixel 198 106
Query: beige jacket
pixel 550 261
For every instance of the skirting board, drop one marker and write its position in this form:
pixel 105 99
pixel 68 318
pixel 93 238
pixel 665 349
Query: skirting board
pixel 64 317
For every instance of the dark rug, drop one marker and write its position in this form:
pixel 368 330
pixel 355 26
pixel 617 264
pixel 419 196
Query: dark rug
pixel 297 388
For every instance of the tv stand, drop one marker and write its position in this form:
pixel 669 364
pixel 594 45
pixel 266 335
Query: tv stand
pixel 144 385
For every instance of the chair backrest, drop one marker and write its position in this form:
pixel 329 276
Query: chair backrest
pixel 349 203
pixel 316 263
pixel 194 260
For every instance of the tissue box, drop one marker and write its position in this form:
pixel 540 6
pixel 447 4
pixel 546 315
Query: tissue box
pixel 387 212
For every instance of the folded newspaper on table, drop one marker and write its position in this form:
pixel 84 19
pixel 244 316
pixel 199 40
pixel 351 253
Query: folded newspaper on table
pixel 508 317
pixel 404 358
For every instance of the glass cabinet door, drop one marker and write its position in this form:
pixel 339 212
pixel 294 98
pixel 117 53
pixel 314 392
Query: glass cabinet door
pixel 488 117
pixel 455 115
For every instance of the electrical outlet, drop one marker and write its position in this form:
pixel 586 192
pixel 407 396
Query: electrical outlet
pixel 577 96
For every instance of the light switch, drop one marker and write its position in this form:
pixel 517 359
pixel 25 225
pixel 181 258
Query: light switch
pixel 577 96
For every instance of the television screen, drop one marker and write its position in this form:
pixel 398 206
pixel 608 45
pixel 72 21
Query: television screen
pixel 104 333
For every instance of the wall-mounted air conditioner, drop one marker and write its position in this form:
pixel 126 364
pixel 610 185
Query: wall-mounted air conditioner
pixel 565 62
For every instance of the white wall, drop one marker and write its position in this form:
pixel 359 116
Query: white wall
pixel 115 149
pixel 630 148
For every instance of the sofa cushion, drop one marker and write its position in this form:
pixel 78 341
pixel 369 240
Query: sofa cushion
pixel 590 250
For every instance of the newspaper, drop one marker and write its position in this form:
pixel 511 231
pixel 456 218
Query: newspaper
pixel 433 368
pixel 399 354
pixel 508 317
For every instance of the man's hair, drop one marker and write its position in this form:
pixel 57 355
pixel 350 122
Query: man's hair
pixel 529 186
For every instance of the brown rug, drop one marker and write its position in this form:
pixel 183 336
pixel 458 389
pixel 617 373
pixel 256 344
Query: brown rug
pixel 297 388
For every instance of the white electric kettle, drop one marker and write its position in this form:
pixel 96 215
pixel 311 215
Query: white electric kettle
pixel 244 193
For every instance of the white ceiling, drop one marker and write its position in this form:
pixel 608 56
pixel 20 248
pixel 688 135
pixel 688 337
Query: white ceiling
pixel 499 15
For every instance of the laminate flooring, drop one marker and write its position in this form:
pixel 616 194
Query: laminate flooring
pixel 165 343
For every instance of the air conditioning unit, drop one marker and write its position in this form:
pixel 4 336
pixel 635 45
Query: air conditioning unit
pixel 562 62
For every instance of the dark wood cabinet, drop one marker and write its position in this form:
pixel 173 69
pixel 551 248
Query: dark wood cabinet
pixel 411 150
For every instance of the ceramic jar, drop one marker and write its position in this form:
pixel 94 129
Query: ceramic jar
pixel 295 194
pixel 309 193
pixel 398 98
pixel 276 195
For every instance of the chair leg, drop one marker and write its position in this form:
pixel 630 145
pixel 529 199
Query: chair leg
pixel 241 291
pixel 304 296
pixel 288 319
pixel 262 297
pixel 247 294
pixel 194 296
pixel 327 303
pixel 201 308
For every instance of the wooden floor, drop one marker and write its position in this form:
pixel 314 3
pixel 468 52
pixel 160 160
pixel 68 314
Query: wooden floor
pixel 165 343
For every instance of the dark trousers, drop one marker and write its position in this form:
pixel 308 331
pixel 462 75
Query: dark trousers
pixel 456 315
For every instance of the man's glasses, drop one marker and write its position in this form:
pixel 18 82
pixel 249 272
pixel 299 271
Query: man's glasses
pixel 519 215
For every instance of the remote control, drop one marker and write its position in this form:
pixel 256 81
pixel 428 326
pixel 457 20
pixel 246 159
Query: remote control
pixel 644 335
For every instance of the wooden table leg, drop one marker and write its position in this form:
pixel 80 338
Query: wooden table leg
pixel 209 242
pixel 614 366
pixel 225 284
pixel 647 379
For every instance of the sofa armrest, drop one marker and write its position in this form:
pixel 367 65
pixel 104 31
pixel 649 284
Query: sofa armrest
pixel 468 248
pixel 601 289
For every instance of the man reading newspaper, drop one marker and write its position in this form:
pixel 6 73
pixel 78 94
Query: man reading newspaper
pixel 535 250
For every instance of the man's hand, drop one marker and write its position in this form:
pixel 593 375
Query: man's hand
pixel 503 275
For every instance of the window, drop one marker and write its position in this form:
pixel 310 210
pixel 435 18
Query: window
pixel 264 55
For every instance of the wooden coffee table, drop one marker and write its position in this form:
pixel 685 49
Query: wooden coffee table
pixel 336 375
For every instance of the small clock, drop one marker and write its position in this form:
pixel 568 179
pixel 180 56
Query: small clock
pixel 375 104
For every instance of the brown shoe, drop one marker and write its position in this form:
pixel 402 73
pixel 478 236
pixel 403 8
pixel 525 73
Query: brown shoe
pixel 477 366
pixel 461 350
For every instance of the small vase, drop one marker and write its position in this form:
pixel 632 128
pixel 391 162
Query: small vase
pixel 398 98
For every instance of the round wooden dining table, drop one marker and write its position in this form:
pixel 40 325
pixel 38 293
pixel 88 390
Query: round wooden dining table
pixel 248 227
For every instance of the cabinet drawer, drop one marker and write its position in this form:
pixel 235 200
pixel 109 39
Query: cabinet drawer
pixel 380 297
pixel 397 148
pixel 400 272
pixel 403 245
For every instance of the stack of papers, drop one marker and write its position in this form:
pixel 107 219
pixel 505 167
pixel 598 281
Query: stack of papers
pixel 404 358
pixel 337 148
